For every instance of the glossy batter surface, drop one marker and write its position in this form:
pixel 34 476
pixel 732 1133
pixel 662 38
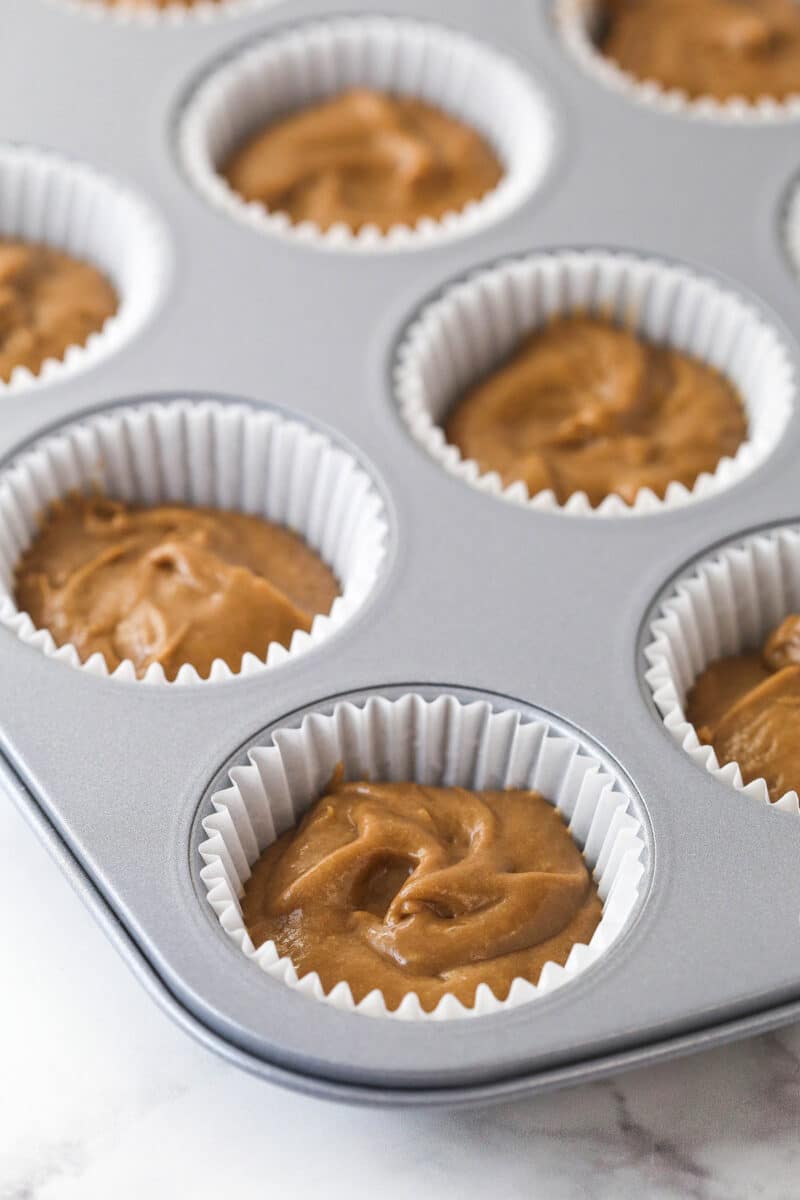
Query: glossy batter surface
pixel 586 406
pixel 48 302
pixel 170 584
pixel 721 48
pixel 365 158
pixel 428 890
pixel 747 707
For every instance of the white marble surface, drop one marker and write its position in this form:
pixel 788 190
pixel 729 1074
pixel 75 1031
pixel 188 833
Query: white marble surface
pixel 102 1098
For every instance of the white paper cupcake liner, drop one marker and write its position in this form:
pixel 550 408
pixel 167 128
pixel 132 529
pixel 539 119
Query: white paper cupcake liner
pixel 443 742
pixel 151 15
pixel 303 66
pixel 791 225
pixel 72 207
pixel 204 453
pixel 578 22
pixel 474 326
pixel 726 604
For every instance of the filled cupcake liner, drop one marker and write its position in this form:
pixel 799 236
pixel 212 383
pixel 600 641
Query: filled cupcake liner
pixel 440 742
pixel 579 21
pixel 71 207
pixel 204 453
pixel 152 15
pixel 791 225
pixel 725 604
pixel 295 69
pixel 476 324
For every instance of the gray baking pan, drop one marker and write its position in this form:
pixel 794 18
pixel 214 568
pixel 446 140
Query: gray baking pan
pixel 478 597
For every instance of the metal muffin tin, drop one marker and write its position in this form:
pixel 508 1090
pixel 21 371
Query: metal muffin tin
pixel 475 596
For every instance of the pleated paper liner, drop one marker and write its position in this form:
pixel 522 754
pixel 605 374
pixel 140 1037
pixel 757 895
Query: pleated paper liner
pixel 292 70
pixel 154 16
pixel 579 23
pixel 71 207
pixel 791 225
pixel 727 603
pixel 440 742
pixel 205 453
pixel 477 322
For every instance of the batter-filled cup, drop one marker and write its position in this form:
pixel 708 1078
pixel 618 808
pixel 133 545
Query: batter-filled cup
pixel 223 456
pixel 46 199
pixel 580 23
pixel 474 327
pixel 147 13
pixel 791 225
pixel 727 604
pixel 291 71
pixel 444 742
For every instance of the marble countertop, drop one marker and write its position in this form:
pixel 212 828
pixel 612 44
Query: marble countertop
pixel 103 1097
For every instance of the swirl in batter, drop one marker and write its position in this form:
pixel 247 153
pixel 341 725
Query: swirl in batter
pixel 48 302
pixel 169 585
pixel 720 48
pixel 365 158
pixel 423 889
pixel 747 706
pixel 584 406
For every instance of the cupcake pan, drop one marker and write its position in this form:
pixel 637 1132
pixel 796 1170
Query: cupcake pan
pixel 534 612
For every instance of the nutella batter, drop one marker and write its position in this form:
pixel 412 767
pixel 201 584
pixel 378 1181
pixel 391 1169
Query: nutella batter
pixel 584 406
pixel 48 302
pixel 721 48
pixel 171 585
pixel 748 708
pixel 154 3
pixel 365 158
pixel 421 889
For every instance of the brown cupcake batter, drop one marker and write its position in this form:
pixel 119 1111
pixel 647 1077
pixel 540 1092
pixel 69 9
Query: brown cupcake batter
pixel 171 585
pixel 721 48
pixel 422 889
pixel 747 707
pixel 364 158
pixel 154 3
pixel 586 406
pixel 48 302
